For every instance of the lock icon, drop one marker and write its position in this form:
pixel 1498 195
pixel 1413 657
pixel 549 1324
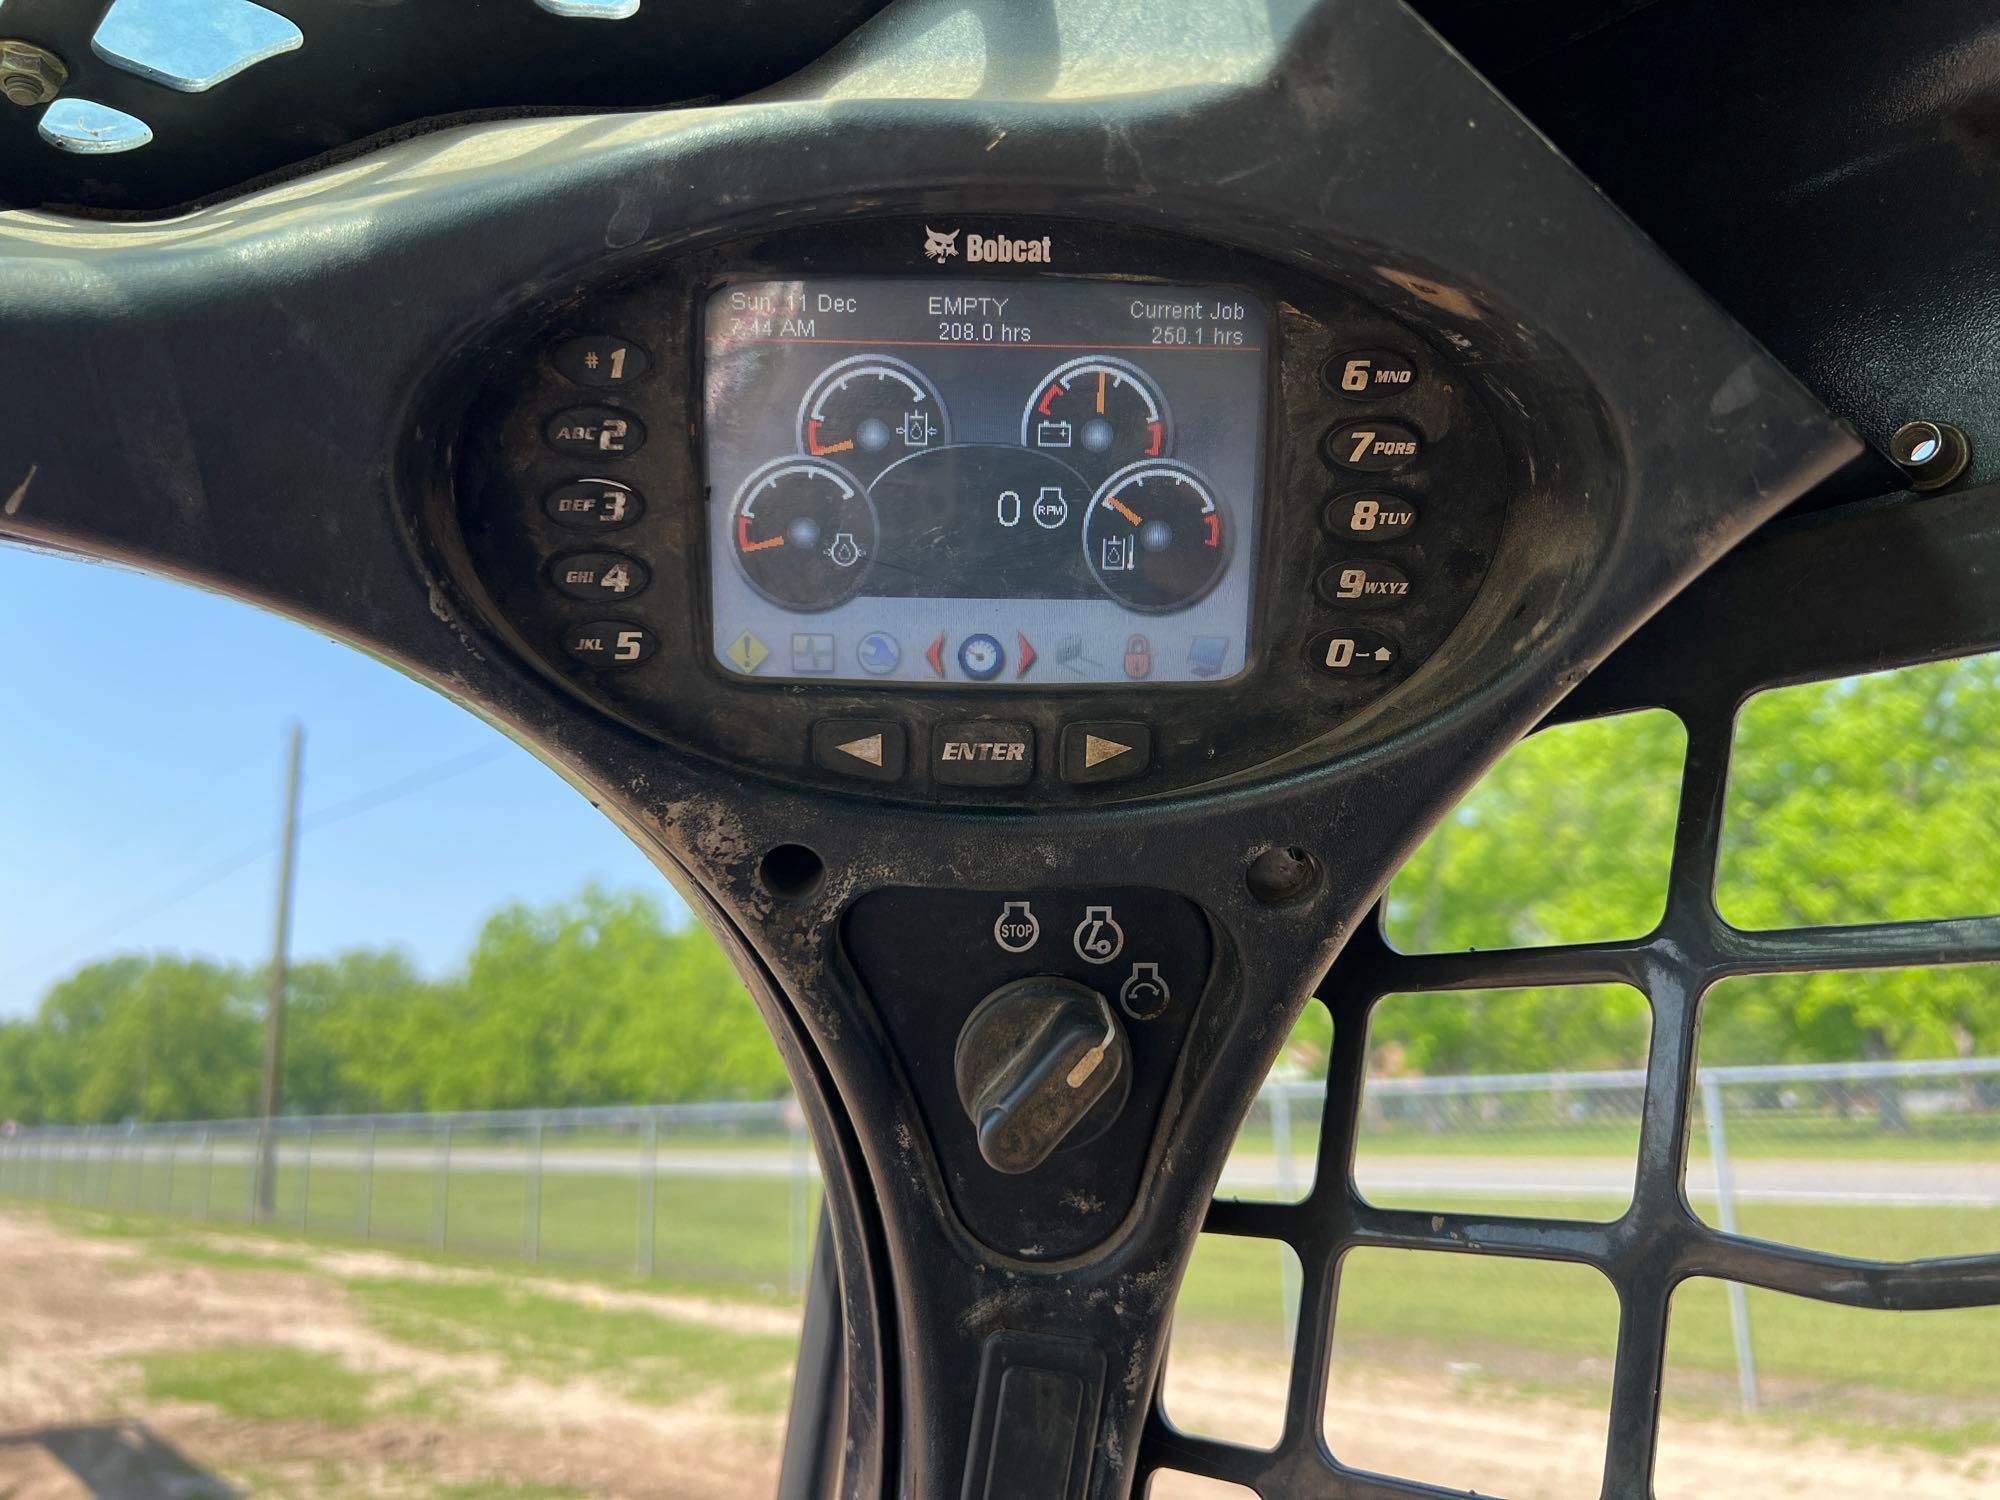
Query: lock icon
pixel 1138 656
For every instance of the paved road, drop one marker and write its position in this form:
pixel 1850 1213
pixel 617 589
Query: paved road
pixel 1971 1183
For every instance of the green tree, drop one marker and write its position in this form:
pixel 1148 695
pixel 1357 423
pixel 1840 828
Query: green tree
pixel 164 1038
pixel 1866 799
pixel 598 1000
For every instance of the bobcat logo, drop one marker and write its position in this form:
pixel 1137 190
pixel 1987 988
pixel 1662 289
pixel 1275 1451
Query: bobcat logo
pixel 940 246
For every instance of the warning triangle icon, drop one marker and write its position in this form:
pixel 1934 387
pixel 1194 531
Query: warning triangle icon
pixel 868 748
pixel 1097 750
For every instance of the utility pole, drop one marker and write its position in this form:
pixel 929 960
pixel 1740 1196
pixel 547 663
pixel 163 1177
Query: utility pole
pixel 274 1010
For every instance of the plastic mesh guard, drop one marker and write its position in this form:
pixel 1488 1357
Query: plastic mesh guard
pixel 1815 598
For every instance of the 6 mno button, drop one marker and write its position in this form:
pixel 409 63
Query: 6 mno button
pixel 1354 653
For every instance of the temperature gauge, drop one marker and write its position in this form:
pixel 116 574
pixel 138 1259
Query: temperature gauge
pixel 1153 537
pixel 866 412
pixel 804 533
pixel 1096 413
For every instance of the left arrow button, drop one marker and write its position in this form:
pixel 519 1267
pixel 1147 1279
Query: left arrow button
pixel 866 749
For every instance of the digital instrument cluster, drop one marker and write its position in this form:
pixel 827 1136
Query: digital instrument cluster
pixel 865 505
pixel 963 481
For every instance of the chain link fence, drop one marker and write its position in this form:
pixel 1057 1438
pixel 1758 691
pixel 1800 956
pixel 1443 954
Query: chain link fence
pixel 724 1192
pixel 729 1192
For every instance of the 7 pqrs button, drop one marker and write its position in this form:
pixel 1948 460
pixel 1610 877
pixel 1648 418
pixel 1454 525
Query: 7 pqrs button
pixel 594 505
pixel 610 643
pixel 1371 447
pixel 598 576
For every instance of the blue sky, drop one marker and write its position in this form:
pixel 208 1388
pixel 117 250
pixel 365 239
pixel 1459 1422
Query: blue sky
pixel 141 750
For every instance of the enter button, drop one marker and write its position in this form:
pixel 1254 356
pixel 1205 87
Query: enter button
pixel 983 752
pixel 1110 751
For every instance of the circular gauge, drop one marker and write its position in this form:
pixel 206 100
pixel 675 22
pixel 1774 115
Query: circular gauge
pixel 1153 536
pixel 1097 413
pixel 866 412
pixel 804 533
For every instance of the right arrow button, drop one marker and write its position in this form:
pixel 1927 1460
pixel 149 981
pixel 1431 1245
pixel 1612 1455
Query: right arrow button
pixel 1105 751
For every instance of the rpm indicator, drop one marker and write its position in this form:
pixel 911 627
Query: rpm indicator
pixel 803 533
pixel 867 412
pixel 1153 536
pixel 1097 413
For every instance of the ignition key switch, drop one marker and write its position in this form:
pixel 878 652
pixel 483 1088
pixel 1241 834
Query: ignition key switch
pixel 1035 1058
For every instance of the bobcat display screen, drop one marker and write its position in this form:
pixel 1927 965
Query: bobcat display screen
pixel 961 480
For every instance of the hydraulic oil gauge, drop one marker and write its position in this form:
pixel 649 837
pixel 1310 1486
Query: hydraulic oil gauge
pixel 867 412
pixel 1153 537
pixel 803 533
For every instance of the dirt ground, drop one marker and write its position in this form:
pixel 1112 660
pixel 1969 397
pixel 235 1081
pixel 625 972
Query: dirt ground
pixel 76 1313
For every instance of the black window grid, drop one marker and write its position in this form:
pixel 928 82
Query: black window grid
pixel 1783 610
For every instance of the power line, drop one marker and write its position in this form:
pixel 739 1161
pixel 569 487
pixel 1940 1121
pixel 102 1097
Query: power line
pixel 392 791
pixel 378 796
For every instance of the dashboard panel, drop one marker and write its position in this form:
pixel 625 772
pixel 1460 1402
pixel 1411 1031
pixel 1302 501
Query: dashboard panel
pixel 1117 514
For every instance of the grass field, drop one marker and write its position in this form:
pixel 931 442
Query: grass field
pixel 733 1236
pixel 385 1374
pixel 1930 1380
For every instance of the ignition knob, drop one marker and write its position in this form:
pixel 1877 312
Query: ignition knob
pixel 1035 1058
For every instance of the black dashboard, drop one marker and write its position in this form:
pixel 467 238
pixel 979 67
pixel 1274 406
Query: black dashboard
pixel 1027 522
pixel 1022 510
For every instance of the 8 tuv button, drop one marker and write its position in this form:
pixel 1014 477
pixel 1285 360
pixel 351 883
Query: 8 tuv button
pixel 1370 518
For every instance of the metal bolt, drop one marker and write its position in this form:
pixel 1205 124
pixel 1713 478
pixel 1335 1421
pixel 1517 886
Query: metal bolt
pixel 30 75
pixel 1931 454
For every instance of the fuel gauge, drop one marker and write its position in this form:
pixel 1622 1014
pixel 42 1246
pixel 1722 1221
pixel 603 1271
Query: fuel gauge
pixel 1096 413
pixel 803 533
pixel 866 412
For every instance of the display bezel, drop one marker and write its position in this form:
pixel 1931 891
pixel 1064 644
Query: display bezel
pixel 1279 707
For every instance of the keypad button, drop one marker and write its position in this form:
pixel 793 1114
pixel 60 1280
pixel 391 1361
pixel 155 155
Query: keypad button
pixel 610 643
pixel 1364 583
pixel 1370 447
pixel 1107 751
pixel 983 752
pixel 600 359
pixel 595 432
pixel 866 749
pixel 598 576
pixel 1370 517
pixel 1369 374
pixel 1354 652
pixel 594 505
